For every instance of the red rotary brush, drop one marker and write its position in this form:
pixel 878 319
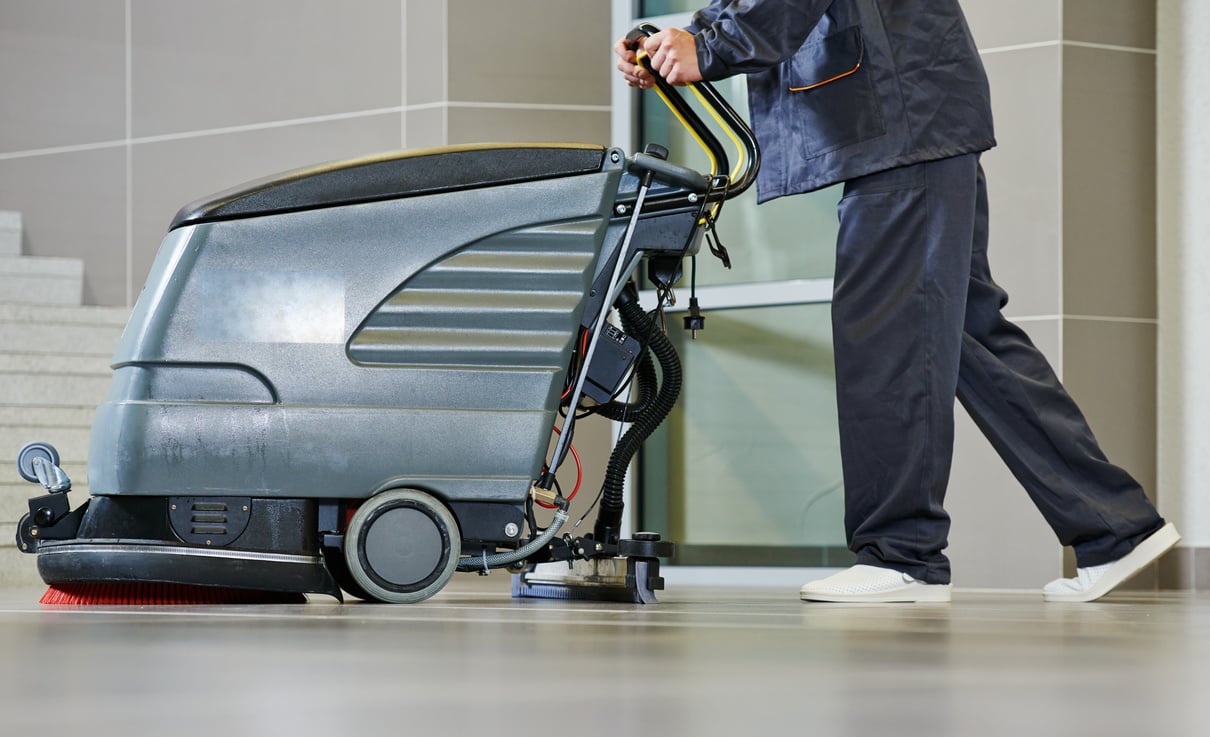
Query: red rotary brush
pixel 159 594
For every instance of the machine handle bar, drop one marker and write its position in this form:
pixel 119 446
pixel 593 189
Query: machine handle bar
pixel 720 109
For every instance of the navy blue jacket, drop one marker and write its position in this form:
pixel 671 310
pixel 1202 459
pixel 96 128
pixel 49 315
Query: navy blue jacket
pixel 843 88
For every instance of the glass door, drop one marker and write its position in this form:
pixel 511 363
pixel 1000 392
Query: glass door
pixel 746 470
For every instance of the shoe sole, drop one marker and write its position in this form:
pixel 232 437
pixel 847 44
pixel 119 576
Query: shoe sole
pixel 1145 553
pixel 927 594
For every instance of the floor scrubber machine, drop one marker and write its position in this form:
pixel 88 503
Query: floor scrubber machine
pixel 346 377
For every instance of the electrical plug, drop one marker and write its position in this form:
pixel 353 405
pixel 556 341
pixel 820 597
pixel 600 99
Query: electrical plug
pixel 695 320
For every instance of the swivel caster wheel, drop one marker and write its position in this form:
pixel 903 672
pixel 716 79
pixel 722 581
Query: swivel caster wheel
pixel 31 451
pixel 402 546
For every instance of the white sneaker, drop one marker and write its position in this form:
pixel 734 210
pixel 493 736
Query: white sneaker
pixel 872 584
pixel 1094 582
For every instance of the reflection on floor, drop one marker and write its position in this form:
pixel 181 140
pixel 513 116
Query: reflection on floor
pixel 702 662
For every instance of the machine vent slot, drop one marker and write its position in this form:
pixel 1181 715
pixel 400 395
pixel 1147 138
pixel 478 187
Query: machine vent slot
pixel 509 300
pixel 218 519
pixel 209 521
pixel 208 530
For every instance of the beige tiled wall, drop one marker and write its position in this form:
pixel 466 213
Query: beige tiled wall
pixel 229 62
pixel 1127 23
pixel 62 72
pixel 1023 178
pixel 530 51
pixel 1109 182
pixel 997 25
pixel 528 70
pixel 118 112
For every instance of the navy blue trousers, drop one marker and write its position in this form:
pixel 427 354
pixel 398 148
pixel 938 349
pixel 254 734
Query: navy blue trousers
pixel 917 322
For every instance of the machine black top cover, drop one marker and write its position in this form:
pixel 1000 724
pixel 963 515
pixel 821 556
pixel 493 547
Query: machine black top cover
pixel 394 175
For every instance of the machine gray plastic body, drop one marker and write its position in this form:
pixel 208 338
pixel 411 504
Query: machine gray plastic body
pixel 338 351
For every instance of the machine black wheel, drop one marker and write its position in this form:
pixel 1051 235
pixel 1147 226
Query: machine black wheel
pixel 402 546
pixel 26 456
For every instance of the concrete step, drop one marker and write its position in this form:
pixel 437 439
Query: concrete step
pixel 58 332
pixel 59 364
pixel 14 492
pixel 47 417
pixel 64 315
pixel 14 497
pixel 67 338
pixel 10 233
pixel 47 390
pixel 71 442
pixel 41 280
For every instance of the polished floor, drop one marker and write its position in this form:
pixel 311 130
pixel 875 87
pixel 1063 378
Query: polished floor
pixel 740 661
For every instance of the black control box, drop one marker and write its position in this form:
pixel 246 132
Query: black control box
pixel 615 354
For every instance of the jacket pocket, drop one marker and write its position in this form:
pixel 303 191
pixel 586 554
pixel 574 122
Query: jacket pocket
pixel 832 97
pixel 828 60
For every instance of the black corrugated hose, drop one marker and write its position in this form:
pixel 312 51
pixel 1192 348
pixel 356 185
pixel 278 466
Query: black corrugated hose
pixel 633 317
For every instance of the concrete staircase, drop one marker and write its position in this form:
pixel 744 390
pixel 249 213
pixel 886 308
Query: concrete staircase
pixel 33 279
pixel 54 371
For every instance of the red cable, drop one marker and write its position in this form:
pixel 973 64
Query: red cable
pixel 579 475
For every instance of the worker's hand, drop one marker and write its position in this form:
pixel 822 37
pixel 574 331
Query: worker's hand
pixel 633 72
pixel 673 54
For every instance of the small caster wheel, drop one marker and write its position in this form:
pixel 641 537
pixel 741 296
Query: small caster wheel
pixel 26 456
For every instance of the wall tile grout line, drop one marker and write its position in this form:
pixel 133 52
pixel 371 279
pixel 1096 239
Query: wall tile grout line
pixel 1058 42
pixel 269 125
pixel 1111 47
pixel 445 72
pixel 403 73
pixel 1059 192
pixel 129 154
